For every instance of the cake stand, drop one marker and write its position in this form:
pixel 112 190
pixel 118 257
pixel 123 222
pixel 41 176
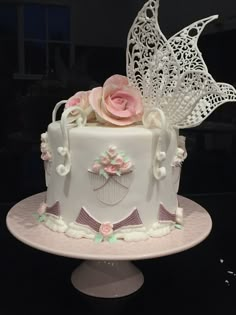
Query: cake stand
pixel 107 270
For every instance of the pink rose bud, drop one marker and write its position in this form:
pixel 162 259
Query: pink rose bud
pixel 44 136
pixel 105 160
pixel 112 151
pixel 46 156
pixel 43 147
pixel 42 208
pixel 126 167
pixel 111 169
pixel 96 167
pixel 119 160
pixel 106 229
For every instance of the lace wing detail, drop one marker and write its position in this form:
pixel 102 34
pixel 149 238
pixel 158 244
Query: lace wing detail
pixel 172 75
pixel 208 104
pixel 191 88
pixel 151 65
pixel 184 46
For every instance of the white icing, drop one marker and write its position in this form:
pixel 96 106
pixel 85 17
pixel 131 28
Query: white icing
pixel 57 106
pixel 160 229
pixel 161 156
pixel 46 156
pixel 133 236
pixel 179 216
pixel 76 230
pixel 160 173
pixel 128 234
pixel 64 168
pixel 56 224
pixel 156 119
pixel 167 188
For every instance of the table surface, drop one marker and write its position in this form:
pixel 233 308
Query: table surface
pixel 23 225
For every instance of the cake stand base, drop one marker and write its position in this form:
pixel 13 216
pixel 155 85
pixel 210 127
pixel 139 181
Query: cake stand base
pixel 107 279
pixel 107 270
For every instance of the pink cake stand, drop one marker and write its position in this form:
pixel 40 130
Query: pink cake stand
pixel 107 270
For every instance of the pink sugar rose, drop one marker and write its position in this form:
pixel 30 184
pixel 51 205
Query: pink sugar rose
pixel 119 160
pixel 112 151
pixel 111 169
pixel 46 156
pixel 43 147
pixel 105 160
pixel 117 102
pixel 96 167
pixel 44 136
pixel 80 99
pixel 106 229
pixel 42 209
pixel 126 167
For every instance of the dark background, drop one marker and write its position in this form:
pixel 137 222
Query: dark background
pixel 47 54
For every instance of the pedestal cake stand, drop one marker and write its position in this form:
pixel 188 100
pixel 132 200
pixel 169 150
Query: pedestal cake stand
pixel 107 270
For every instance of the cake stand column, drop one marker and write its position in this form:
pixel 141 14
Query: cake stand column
pixel 107 278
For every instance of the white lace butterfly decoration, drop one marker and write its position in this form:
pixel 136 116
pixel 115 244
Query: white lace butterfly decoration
pixel 171 74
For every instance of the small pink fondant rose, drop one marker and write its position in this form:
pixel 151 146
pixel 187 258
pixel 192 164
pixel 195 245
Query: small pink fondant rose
pixel 80 99
pixel 119 160
pixel 46 156
pixel 125 167
pixel 43 147
pixel 105 160
pixel 111 169
pixel 42 209
pixel 44 136
pixel 117 102
pixel 112 151
pixel 96 167
pixel 106 229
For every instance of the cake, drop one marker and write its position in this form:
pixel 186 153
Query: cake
pixel 113 159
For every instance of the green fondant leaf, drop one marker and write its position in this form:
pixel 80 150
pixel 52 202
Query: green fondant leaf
pixel 178 226
pixel 112 239
pixel 122 153
pixel 98 238
pixel 113 162
pixel 104 154
pixel 126 159
pixel 118 173
pixel 106 175
pixel 42 218
pixel 103 173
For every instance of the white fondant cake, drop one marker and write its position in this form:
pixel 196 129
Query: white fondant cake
pixel 113 160
pixel 115 197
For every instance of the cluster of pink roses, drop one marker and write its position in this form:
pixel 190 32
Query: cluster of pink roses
pixel 116 102
pixel 112 162
pixel 45 153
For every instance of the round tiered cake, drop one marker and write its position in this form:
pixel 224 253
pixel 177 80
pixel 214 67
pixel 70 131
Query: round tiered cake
pixel 113 159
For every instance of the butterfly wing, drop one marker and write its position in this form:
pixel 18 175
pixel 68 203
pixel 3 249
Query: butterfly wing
pixel 184 46
pixel 172 75
pixel 151 65
pixel 207 104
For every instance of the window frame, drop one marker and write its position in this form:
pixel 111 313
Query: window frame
pixel 21 74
